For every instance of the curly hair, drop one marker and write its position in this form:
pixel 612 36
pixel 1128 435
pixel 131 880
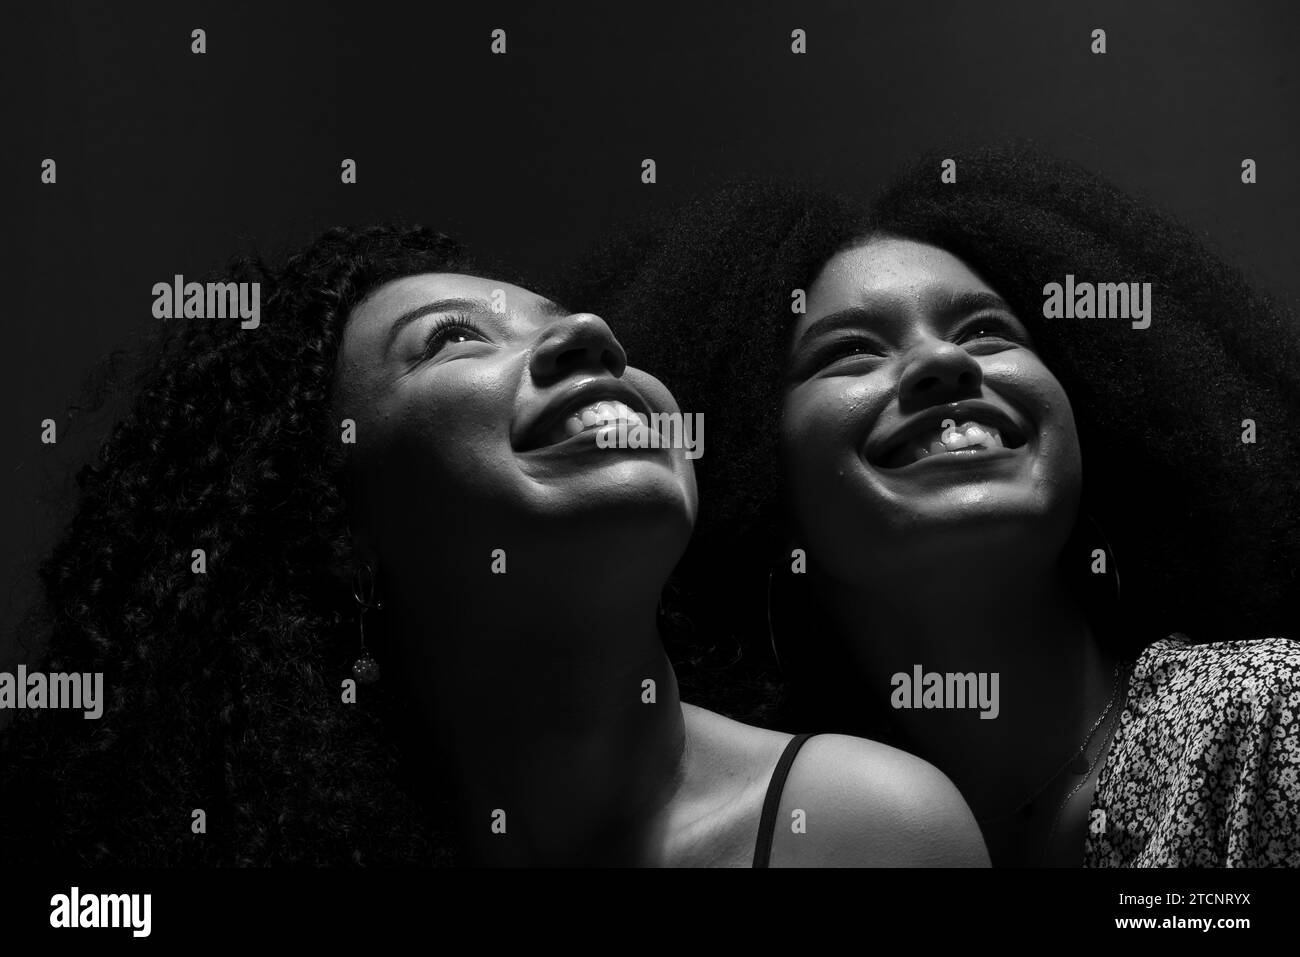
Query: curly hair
pixel 1205 528
pixel 223 689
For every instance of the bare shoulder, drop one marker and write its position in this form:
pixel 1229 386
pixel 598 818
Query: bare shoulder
pixel 865 804
pixel 846 802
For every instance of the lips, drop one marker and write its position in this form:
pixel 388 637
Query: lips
pixel 963 429
pixel 586 407
pixel 595 415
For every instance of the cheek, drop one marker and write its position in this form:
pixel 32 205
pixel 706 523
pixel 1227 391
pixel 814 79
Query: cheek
pixel 1066 455
pixel 450 434
pixel 826 420
pixel 1023 380
pixel 824 424
pixel 1031 384
pixel 803 442
pixel 653 391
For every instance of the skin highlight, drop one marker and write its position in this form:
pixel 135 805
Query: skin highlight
pixel 1200 523
pixel 553 730
pixel 949 561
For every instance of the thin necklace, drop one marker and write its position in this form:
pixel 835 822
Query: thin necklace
pixel 1076 758
pixel 1092 765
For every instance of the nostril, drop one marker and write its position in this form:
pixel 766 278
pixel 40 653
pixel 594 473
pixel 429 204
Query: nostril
pixel 578 357
pixel 924 385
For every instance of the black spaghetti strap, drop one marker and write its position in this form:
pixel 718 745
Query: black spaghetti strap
pixel 772 801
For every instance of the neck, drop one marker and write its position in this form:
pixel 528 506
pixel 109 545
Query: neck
pixel 542 714
pixel 1015 623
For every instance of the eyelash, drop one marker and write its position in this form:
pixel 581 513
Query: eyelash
pixel 438 334
pixel 844 349
pixel 990 328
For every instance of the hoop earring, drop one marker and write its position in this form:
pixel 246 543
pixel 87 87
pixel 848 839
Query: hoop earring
pixel 771 631
pixel 365 669
pixel 1111 558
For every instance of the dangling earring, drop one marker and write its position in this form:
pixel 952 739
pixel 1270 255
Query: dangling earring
pixel 365 669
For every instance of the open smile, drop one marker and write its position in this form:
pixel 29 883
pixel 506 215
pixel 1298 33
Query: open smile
pixel 583 411
pixel 959 433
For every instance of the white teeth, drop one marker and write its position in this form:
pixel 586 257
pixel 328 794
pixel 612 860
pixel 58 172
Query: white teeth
pixel 606 413
pixel 966 435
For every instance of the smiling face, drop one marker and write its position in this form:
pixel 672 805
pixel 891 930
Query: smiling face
pixel 476 406
pixel 919 426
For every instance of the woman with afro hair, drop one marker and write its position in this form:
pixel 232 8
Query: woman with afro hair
pixel 427 593
pixel 1054 556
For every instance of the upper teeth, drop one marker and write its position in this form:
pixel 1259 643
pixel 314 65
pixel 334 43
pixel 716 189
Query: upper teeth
pixel 952 437
pixel 609 412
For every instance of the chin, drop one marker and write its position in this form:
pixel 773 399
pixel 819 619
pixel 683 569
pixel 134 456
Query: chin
pixel 874 539
pixel 648 534
pixel 1005 532
pixel 626 502
pixel 650 513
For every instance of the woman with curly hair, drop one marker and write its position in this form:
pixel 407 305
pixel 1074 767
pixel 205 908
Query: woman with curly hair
pixel 923 491
pixel 402 433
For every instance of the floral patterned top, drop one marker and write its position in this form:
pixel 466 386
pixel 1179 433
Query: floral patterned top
pixel 1204 770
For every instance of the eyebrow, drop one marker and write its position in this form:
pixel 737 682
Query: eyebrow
pixel 957 304
pixel 547 307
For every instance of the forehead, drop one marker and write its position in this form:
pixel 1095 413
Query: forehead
pixel 382 306
pixel 891 266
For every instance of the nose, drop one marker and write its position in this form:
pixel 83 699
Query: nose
pixel 580 342
pixel 938 371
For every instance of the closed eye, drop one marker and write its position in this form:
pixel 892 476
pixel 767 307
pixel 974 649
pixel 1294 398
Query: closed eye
pixel 991 331
pixel 450 330
pixel 846 347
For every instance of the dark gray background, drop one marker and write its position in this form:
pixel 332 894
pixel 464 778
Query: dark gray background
pixel 170 162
